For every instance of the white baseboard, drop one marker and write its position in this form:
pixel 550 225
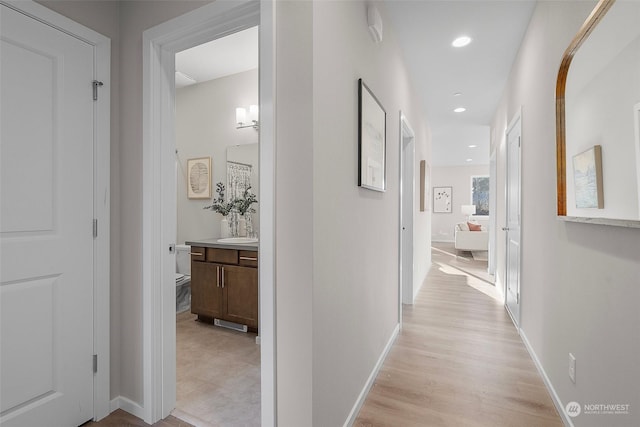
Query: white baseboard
pixel 127 405
pixel 372 377
pixel 547 382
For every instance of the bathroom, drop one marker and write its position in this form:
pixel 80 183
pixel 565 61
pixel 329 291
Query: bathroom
pixel 218 368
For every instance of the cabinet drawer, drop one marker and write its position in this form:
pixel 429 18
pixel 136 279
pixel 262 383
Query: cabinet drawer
pixel 248 258
pixel 197 253
pixel 224 256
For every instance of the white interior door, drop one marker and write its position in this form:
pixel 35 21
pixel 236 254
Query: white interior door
pixel 46 238
pixel 512 229
pixel 407 169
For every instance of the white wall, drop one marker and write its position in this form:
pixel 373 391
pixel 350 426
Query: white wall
pixel 294 214
pixel 355 231
pixel 458 177
pixel 205 127
pixel 579 282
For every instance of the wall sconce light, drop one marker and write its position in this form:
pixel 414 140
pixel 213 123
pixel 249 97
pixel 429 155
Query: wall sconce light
pixel 241 117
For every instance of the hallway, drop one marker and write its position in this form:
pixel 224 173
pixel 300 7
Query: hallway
pixel 458 360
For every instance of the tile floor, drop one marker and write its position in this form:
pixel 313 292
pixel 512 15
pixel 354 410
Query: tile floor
pixel 218 375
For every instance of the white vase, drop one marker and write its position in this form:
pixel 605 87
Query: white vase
pixel 224 228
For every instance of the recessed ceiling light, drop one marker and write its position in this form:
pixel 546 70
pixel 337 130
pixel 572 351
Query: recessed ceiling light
pixel 457 94
pixel 472 146
pixel 460 110
pixel 461 41
pixel 469 160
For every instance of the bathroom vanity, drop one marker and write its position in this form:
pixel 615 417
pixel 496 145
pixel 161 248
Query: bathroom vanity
pixel 224 282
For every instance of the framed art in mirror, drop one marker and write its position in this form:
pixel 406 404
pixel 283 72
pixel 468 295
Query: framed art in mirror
pixel 597 92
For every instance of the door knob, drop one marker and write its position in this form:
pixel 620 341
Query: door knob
pixel 505 228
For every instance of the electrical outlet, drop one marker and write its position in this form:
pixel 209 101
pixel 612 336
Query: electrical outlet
pixel 572 368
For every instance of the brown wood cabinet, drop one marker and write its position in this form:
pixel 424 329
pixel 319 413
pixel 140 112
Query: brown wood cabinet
pixel 224 285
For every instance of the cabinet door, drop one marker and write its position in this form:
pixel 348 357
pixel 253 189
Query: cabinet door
pixel 206 289
pixel 241 295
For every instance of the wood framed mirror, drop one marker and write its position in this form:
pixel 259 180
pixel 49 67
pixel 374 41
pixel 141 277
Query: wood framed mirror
pixel 597 119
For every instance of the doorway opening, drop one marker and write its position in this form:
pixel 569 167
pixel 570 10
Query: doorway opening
pixel 407 192
pixel 160 45
pixel 512 228
pixel 217 166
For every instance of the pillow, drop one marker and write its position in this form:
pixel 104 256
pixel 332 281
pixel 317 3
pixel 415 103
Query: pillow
pixel 474 227
pixel 462 226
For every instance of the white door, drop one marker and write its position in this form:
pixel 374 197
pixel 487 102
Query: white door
pixel 406 211
pixel 46 216
pixel 512 230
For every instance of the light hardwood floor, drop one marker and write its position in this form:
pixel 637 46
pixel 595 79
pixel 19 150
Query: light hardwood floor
pixel 458 361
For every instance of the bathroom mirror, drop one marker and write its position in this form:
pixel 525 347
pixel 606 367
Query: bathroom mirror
pixel 243 170
pixel 598 110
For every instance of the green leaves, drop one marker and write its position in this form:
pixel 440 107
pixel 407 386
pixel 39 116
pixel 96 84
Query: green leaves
pixel 242 205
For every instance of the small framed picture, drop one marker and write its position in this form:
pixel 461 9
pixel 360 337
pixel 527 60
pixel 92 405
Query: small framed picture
pixel 199 178
pixel 424 186
pixel 442 199
pixel 372 143
pixel 587 178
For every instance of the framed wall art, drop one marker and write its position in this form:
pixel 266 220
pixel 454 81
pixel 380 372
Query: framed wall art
pixel 372 128
pixel 199 178
pixel 442 199
pixel 587 178
pixel 424 186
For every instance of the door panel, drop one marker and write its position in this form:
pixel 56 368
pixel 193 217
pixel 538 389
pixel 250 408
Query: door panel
pixel 513 220
pixel 46 214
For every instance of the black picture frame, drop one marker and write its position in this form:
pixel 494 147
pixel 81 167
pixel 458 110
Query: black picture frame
pixel 372 140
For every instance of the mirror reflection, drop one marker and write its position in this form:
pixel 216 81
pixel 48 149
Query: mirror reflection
pixel 602 103
pixel 242 173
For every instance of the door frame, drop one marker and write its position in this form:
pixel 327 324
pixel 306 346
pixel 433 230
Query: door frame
pixel 405 289
pixel 493 211
pixel 160 44
pixel 101 190
pixel 516 120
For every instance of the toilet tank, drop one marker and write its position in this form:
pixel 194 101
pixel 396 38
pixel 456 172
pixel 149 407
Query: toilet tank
pixel 183 259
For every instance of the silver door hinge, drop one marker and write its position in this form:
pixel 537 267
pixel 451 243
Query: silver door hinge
pixel 95 228
pixel 96 84
pixel 95 363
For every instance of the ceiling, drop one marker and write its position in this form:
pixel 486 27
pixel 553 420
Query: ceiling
pixel 425 30
pixel 478 71
pixel 202 63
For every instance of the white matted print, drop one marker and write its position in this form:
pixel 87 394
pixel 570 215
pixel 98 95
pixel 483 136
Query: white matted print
pixel 587 178
pixel 442 199
pixel 199 178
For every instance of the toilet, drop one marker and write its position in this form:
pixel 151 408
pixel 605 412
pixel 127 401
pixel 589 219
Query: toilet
pixel 183 278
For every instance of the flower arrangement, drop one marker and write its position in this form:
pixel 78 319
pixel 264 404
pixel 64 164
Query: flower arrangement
pixel 242 205
pixel 219 205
